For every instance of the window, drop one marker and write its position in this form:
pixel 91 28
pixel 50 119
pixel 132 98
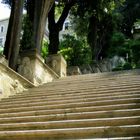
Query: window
pixel 1 41
pixel 2 29
pixel 66 25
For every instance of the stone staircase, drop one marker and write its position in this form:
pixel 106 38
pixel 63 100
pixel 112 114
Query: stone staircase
pixel 94 106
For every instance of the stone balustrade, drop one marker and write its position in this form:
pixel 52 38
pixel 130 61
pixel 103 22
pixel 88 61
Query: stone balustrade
pixel 10 81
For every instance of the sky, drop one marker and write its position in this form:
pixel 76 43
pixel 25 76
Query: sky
pixel 4 11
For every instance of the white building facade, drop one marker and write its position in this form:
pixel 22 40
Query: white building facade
pixel 3 31
pixel 4 26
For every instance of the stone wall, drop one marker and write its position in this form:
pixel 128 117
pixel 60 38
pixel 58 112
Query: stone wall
pixel 105 65
pixel 11 82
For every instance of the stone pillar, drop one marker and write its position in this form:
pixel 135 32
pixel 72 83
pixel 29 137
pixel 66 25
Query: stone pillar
pixel 73 70
pixel 58 64
pixel 31 66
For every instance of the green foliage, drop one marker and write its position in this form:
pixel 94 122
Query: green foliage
pixel 126 66
pixel 1 50
pixel 122 47
pixel 119 68
pixel 130 12
pixel 26 41
pixel 80 25
pixel 119 46
pixel 44 50
pixel 135 47
pixel 75 51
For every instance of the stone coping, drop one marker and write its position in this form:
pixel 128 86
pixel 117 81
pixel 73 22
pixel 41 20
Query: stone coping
pixel 15 75
pixel 46 66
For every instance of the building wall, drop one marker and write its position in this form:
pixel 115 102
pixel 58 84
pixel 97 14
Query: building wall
pixel 3 30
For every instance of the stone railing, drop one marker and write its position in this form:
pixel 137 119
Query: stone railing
pixel 32 71
pixel 105 65
pixel 32 66
pixel 58 64
pixel 11 82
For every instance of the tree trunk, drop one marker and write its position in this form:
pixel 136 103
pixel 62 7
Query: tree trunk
pixel 37 11
pixel 53 32
pixel 54 41
pixel 42 8
pixel 11 50
pixel 56 27
pixel 92 36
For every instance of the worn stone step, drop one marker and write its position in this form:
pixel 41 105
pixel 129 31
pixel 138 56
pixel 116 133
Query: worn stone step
pixel 67 97
pixel 34 95
pixel 106 85
pixel 105 74
pixel 117 138
pixel 92 109
pixel 71 116
pixel 84 85
pixel 66 101
pixel 97 76
pixel 73 133
pixel 99 106
pixel 72 123
pixel 96 84
pixel 93 79
pixel 71 105
pixel 64 97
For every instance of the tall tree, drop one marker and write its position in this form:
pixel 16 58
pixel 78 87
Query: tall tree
pixel 37 10
pixel 131 12
pixel 96 12
pixel 11 49
pixel 56 27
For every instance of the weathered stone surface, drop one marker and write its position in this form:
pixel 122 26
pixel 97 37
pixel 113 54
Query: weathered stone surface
pixel 3 60
pixel 11 82
pixel 32 67
pixel 73 70
pixel 58 64
pixel 92 106
pixel 104 65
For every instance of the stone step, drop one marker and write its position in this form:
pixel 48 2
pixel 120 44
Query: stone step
pixel 105 74
pixel 78 107
pixel 46 94
pixel 60 82
pixel 73 133
pixel 72 105
pixel 74 96
pixel 97 84
pixel 71 116
pixel 118 138
pixel 93 109
pixel 71 123
pixel 90 84
pixel 93 78
pixel 67 101
pixel 83 86
pixel 100 75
